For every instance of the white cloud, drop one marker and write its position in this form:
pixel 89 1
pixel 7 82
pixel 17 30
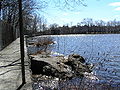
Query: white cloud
pixel 117 9
pixel 115 4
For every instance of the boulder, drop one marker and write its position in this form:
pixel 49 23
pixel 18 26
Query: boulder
pixel 76 57
pixel 78 65
pixel 50 71
pixel 50 66
pixel 58 67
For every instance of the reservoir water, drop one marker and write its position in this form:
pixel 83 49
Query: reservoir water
pixel 102 50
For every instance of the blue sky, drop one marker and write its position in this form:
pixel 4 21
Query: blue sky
pixel 97 9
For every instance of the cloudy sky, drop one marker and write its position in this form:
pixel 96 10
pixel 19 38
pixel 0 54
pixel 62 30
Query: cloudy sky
pixel 97 9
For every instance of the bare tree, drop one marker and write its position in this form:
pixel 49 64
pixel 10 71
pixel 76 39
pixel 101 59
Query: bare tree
pixel 69 4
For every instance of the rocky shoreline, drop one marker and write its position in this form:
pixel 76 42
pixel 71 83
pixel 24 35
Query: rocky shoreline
pixel 52 70
pixel 59 67
pixel 45 66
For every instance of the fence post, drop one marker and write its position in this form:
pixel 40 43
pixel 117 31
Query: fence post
pixel 0 35
pixel 21 40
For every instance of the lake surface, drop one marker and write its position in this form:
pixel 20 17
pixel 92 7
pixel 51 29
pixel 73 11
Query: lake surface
pixel 102 50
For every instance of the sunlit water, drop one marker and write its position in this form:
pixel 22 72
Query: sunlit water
pixel 103 50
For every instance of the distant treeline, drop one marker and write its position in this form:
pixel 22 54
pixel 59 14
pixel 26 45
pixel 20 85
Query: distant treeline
pixel 87 26
pixel 83 30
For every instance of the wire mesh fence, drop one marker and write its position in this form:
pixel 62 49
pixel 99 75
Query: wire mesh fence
pixel 7 34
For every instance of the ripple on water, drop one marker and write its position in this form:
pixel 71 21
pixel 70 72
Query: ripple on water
pixel 101 50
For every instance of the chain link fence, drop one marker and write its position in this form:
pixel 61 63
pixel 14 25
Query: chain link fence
pixel 7 34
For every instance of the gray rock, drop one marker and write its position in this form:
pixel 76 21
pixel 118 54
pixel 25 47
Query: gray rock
pixel 50 71
pixel 78 65
pixel 76 57
pixel 53 66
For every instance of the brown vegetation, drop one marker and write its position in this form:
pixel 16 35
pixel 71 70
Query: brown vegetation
pixel 45 43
